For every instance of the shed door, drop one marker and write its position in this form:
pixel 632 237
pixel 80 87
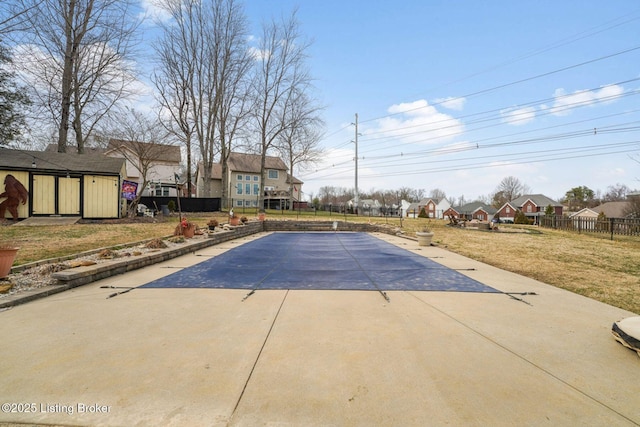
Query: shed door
pixel 69 196
pixel 44 195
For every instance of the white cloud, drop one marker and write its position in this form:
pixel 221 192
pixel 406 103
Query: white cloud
pixel 413 122
pixel 153 10
pixel 452 103
pixel 564 103
pixel 518 116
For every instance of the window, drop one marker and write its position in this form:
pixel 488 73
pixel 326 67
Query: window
pixel 165 191
pixel 507 209
pixel 529 208
pixel 256 178
pixel 273 174
pixel 239 188
pixel 247 189
pixel 247 178
pixel 239 177
pixel 239 203
pixel 256 189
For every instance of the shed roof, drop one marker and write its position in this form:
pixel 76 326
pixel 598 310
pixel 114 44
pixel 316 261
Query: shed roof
pixel 59 162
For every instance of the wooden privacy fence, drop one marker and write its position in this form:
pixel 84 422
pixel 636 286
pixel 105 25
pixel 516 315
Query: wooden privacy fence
pixel 611 226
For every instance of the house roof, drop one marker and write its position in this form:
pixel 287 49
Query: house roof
pixel 53 148
pixel 475 206
pixel 612 209
pixel 539 199
pixel 160 152
pixel 243 162
pixel 586 212
pixel 54 161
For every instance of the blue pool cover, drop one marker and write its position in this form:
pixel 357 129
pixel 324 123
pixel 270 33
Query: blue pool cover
pixel 349 261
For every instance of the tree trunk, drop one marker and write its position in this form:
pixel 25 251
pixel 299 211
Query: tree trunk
pixel 67 78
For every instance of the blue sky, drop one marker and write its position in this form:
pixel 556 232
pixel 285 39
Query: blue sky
pixel 458 95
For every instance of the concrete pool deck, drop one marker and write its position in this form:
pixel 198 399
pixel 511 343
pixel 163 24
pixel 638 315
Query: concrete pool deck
pixel 329 357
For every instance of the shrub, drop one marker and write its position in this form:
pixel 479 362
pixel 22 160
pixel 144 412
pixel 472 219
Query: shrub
pixel 423 214
pixel 521 218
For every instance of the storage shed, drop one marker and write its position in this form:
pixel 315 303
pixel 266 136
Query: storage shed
pixel 65 184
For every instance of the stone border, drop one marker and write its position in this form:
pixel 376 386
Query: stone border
pixel 69 279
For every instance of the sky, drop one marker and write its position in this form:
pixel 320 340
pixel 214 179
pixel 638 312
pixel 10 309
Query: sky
pixel 459 95
pixel 456 96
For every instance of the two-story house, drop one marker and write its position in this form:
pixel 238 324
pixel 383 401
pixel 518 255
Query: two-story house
pixel 158 163
pixel 243 178
pixel 532 205
pixel 434 208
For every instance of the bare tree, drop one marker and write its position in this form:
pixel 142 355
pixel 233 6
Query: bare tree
pixel 79 65
pixel 616 193
pixel 142 141
pixel 299 141
pixel 509 188
pixel 203 62
pixel 12 17
pixel 280 73
pixel 437 194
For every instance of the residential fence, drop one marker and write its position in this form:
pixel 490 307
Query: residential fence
pixel 611 226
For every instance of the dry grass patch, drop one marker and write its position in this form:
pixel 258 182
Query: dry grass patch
pixel 605 270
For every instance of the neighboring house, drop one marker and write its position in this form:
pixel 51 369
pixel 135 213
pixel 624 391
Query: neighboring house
pixel 584 213
pixel 584 219
pixel 532 205
pixel 470 211
pixel 244 182
pixel 612 209
pixel 366 206
pixel 66 184
pixel 434 208
pixel 161 161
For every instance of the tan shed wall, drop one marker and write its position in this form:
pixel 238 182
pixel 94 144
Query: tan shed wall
pixel 43 195
pixel 101 196
pixel 69 196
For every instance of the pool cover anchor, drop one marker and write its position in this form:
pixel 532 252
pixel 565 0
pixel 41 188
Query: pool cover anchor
pixel 115 294
pixel 511 295
pixel 253 291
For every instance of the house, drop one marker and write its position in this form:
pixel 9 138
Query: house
pixel 159 162
pixel 612 209
pixel 434 208
pixel 584 213
pixel 243 178
pixel 474 210
pixel 369 207
pixel 584 219
pixel 66 184
pixel 532 205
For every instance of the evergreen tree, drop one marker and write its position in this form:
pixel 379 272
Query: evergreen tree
pixel 13 99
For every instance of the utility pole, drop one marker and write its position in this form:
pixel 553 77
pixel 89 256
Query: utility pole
pixel 356 141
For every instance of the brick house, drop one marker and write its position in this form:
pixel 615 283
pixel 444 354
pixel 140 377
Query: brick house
pixel 475 210
pixel 532 205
